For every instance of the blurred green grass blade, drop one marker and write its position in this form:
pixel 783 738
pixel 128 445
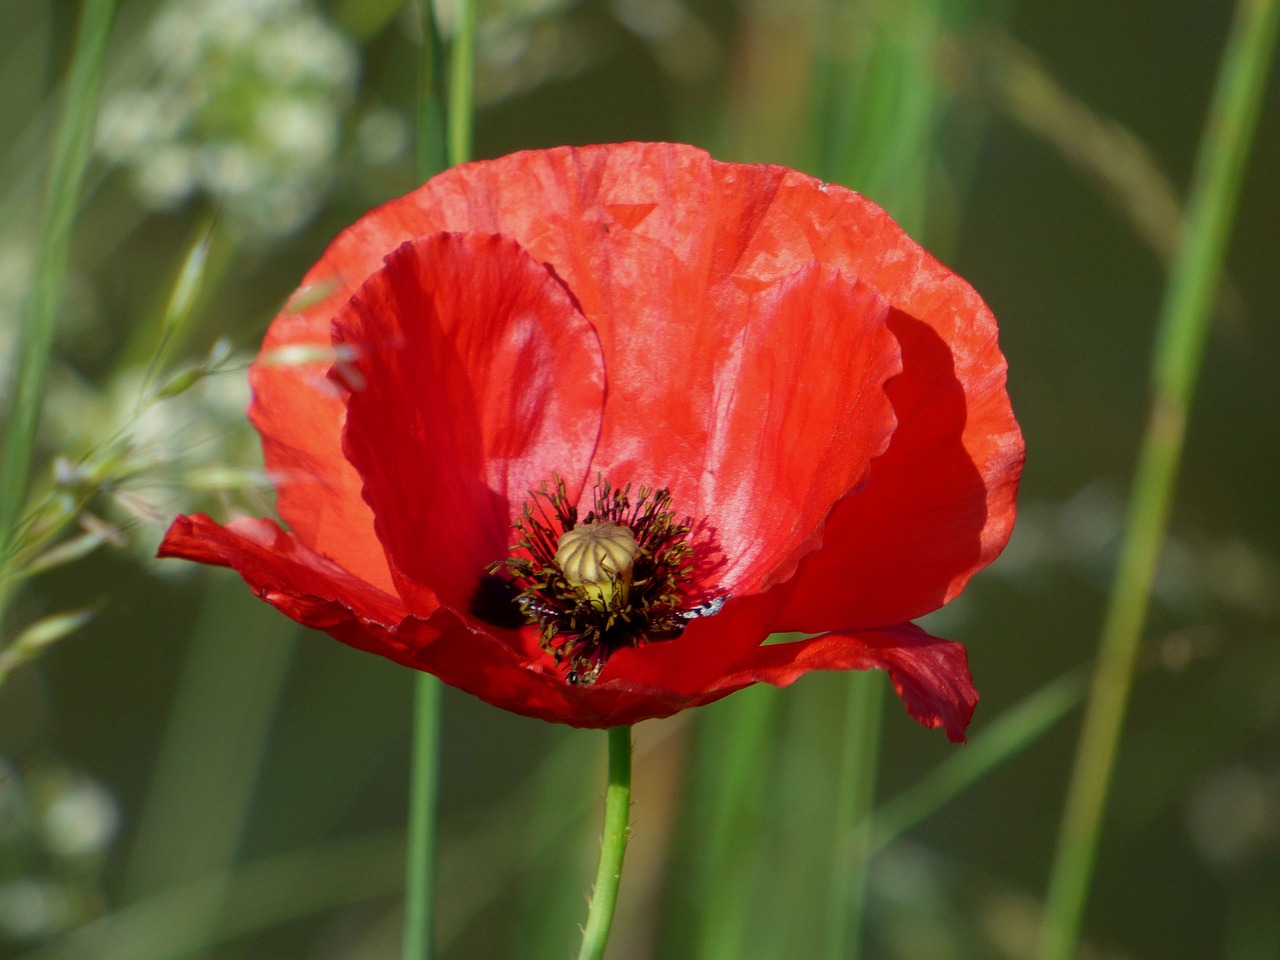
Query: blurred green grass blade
pixel 71 151
pixel 424 790
pixel 875 102
pixel 859 760
pixel 36 636
pixel 214 741
pixel 1180 340
pixel 556 828
pixel 258 896
pixel 735 753
pixel 796 851
pixel 1098 145
pixel 68 551
pixel 462 83
pixel 1220 165
pixel 1004 738
pixel 432 127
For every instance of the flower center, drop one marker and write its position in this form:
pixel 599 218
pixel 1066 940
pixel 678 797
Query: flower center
pixel 615 578
pixel 598 558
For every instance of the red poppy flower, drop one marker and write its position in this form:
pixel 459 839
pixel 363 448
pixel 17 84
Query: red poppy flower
pixel 576 430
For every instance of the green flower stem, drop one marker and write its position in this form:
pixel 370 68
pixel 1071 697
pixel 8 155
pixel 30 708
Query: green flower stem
pixel 419 908
pixel 1184 319
pixel 70 158
pixel 613 846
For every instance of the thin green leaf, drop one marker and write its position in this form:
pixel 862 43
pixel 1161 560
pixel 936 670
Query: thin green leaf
pixel 70 158
pixel 39 635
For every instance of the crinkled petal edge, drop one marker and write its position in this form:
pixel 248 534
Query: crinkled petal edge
pixel 930 674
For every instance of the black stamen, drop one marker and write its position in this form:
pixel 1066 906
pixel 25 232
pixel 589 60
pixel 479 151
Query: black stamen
pixel 580 629
pixel 495 602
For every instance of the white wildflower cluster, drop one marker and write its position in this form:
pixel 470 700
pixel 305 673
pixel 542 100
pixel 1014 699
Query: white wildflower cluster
pixel 245 105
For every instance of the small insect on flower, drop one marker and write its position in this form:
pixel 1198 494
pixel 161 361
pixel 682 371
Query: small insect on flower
pixel 607 417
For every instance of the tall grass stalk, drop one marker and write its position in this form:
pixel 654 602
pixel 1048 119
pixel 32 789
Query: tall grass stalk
pixel 432 125
pixel 424 779
pixel 855 798
pixel 1179 350
pixel 217 733
pixel 459 120
pixel 735 753
pixel 999 741
pixel 71 151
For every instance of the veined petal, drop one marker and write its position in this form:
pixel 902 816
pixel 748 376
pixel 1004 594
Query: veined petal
pixel 931 675
pixel 315 592
pixel 788 411
pixel 282 570
pixel 473 378
pixel 710 647
pixel 299 413
pixel 940 504
pixel 469 657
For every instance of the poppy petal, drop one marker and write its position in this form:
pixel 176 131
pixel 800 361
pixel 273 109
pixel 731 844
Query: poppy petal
pixel 281 570
pixel 473 378
pixel 299 414
pixel 473 660
pixel 751 425
pixel 708 648
pixel 466 656
pixel 787 431
pixel 931 675
pixel 940 503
